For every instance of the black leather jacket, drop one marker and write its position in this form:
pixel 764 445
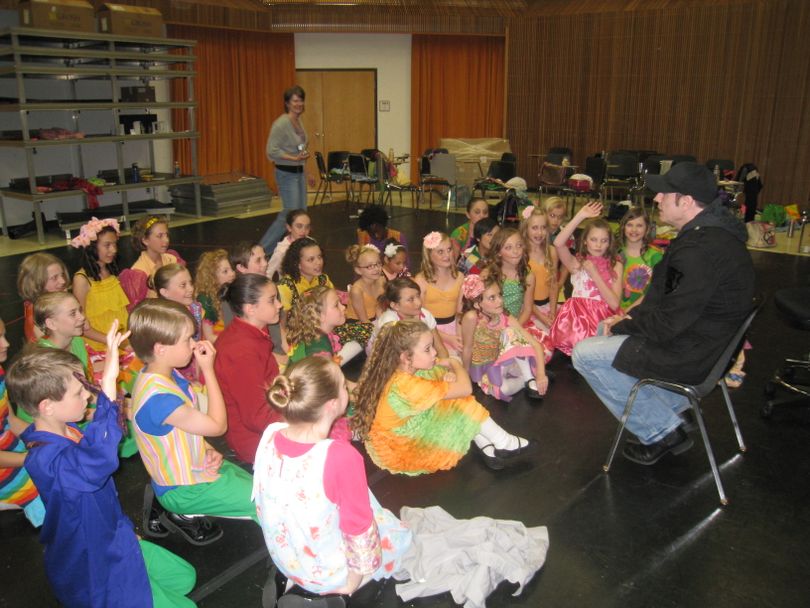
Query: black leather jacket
pixel 699 294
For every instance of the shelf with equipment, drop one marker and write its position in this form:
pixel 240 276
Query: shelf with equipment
pixel 88 80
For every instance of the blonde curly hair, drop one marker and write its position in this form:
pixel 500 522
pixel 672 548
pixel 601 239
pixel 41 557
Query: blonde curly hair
pixel 205 279
pixel 394 339
pixel 304 321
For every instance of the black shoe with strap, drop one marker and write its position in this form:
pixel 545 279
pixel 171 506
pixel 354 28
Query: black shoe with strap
pixel 198 530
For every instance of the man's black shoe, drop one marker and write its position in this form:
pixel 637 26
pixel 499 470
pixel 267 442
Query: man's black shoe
pixel 676 443
pixel 198 531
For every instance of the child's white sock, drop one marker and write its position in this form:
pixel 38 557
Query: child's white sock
pixel 494 434
pixel 349 351
pixel 510 386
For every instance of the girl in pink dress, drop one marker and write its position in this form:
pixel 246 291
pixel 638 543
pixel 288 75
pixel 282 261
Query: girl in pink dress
pixel 595 276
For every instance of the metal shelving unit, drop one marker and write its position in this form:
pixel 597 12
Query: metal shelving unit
pixel 27 54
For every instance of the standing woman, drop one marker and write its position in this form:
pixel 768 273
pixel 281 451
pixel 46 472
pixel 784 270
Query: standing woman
pixel 287 148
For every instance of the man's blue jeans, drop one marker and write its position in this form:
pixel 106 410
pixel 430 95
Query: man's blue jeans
pixel 655 413
pixel 292 188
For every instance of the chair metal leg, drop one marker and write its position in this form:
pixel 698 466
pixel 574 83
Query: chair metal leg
pixel 733 416
pixel 695 405
pixel 631 399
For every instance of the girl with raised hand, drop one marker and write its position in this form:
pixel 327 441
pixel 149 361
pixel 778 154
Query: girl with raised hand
pixel 595 275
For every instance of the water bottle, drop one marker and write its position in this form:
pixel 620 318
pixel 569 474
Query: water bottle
pixel 177 171
pixel 136 173
pixel 717 172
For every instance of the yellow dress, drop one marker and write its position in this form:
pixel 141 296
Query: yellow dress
pixel 106 302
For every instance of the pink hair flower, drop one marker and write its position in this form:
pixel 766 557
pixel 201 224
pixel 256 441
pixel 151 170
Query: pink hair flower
pixel 472 287
pixel 89 232
pixel 432 240
pixel 527 212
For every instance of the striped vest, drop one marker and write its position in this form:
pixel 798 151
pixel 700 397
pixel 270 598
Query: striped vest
pixel 176 458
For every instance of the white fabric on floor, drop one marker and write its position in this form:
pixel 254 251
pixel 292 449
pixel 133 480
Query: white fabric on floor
pixel 467 557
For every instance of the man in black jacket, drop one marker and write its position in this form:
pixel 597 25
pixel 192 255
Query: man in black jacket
pixel 700 293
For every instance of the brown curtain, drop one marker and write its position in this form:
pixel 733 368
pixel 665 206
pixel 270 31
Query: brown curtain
pixel 457 90
pixel 241 77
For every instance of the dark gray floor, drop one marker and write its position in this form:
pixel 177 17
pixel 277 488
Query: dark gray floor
pixel 638 537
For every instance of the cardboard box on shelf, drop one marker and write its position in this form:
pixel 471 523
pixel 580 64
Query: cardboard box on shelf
pixel 124 20
pixel 69 15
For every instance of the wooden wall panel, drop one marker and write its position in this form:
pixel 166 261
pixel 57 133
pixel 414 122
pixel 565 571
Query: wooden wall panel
pixel 723 81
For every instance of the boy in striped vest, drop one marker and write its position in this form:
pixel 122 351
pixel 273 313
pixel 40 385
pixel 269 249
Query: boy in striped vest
pixel 188 475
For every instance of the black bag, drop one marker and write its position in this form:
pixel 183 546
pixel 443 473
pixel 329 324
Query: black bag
pixel 507 212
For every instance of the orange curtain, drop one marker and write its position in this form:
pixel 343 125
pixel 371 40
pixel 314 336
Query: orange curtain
pixel 241 77
pixel 457 90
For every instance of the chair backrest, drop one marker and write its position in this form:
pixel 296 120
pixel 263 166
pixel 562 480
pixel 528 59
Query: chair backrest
pixel 723 163
pixel 724 361
pixel 551 174
pixel 561 150
pixel 652 164
pixel 501 170
pixel 682 158
pixel 370 154
pixel 357 164
pixel 508 157
pixel 595 167
pixel 336 160
pixel 622 165
pixel 443 165
pixel 321 164
pixel 556 158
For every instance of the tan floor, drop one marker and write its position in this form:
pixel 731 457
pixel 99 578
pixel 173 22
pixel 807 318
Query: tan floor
pixel 29 244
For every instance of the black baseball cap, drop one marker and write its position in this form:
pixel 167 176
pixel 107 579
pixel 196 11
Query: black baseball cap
pixel 689 178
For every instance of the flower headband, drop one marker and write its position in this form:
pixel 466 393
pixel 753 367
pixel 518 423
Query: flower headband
pixel 89 232
pixel 527 212
pixel 472 287
pixel 391 249
pixel 432 240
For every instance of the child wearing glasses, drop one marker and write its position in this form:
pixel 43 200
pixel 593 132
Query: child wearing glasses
pixel 370 284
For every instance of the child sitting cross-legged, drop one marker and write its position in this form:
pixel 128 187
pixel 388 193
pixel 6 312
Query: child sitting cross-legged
pixel 188 475
pixel 502 356
pixel 92 555
pixel 416 414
